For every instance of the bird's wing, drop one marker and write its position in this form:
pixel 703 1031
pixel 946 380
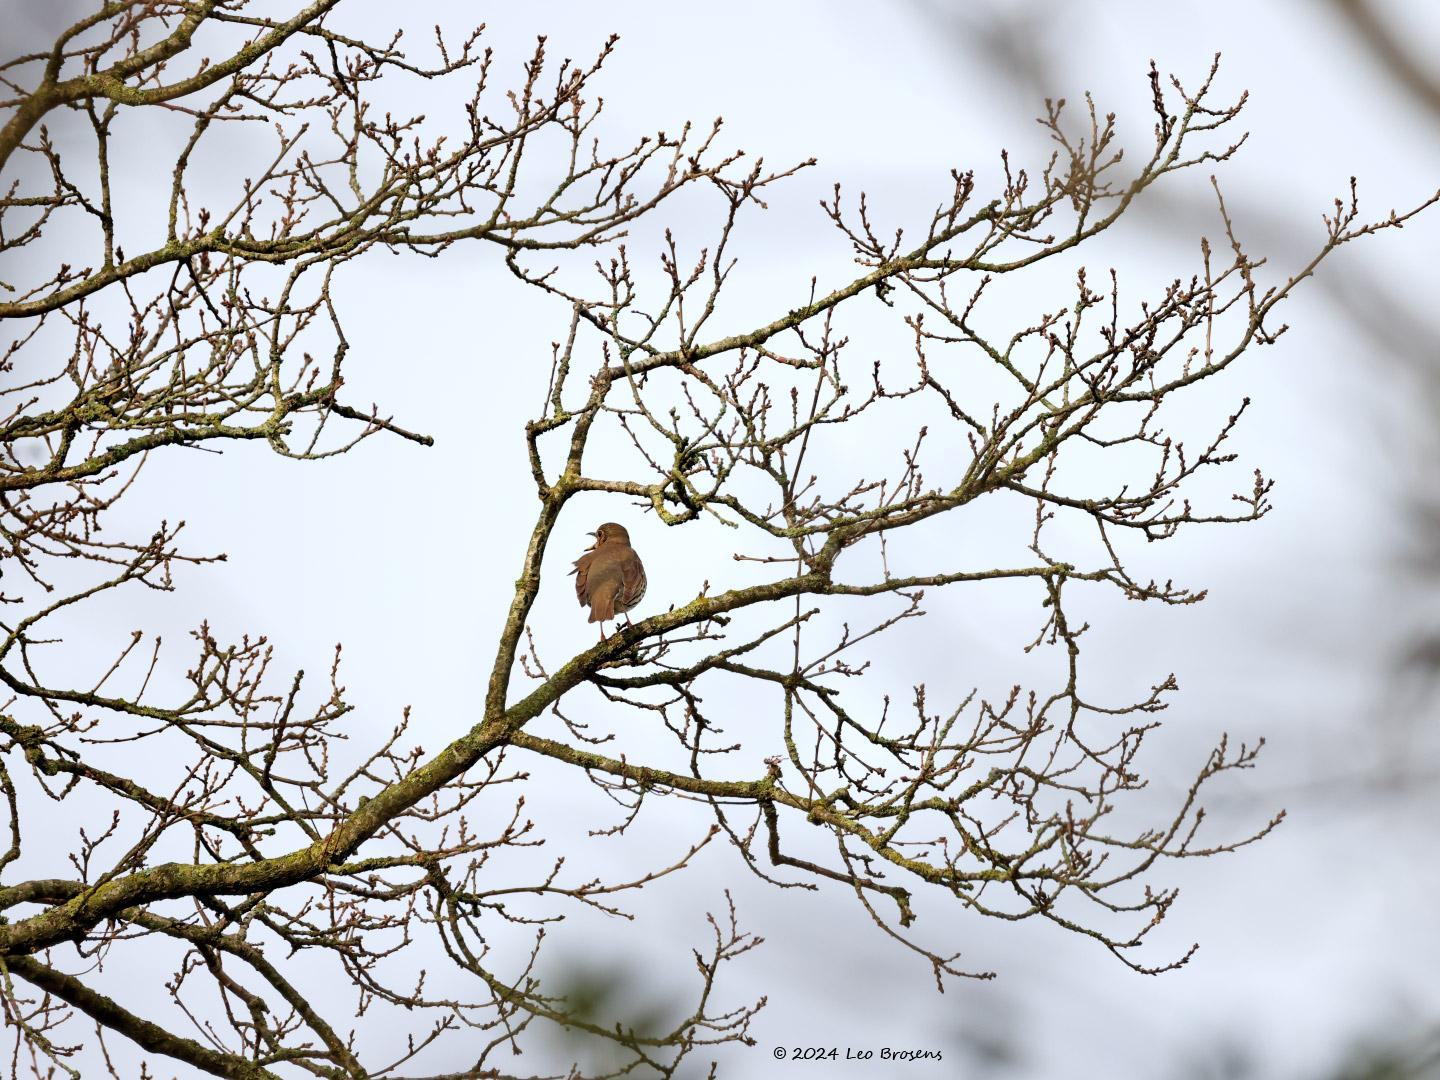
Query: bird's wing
pixel 604 585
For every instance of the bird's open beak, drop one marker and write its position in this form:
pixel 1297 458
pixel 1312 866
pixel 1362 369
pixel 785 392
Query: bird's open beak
pixel 592 534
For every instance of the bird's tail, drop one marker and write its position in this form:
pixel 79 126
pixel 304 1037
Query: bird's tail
pixel 602 603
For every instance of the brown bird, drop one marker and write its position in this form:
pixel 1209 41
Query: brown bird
pixel 609 578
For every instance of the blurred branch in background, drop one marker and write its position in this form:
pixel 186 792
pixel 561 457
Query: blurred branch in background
pixel 1417 74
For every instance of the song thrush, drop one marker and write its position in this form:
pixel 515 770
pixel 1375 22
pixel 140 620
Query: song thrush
pixel 609 578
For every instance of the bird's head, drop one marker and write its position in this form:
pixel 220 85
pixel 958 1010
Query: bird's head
pixel 610 533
